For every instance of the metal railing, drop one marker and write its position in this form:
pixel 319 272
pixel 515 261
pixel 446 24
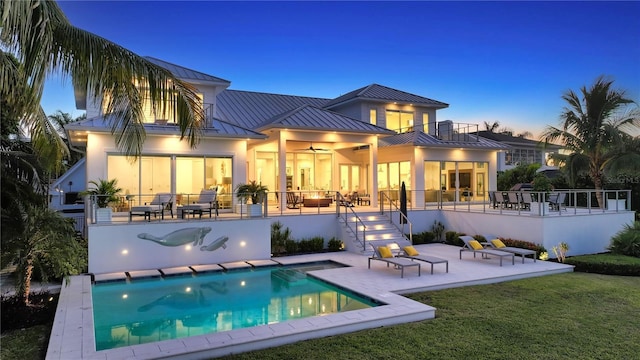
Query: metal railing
pixel 340 202
pixel 384 198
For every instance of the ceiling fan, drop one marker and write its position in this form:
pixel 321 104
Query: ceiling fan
pixel 311 148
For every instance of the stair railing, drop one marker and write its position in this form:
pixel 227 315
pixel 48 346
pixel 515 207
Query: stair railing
pixel 384 197
pixel 340 203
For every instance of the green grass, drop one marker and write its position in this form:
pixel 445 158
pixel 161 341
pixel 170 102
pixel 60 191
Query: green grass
pixel 566 316
pixel 23 344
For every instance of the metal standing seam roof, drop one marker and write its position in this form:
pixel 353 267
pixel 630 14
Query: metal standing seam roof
pixel 309 117
pixel 220 128
pixel 182 72
pixel 252 109
pixel 375 92
pixel 516 141
pixel 419 138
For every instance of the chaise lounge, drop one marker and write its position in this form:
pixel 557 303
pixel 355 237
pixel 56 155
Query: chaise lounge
pixel 497 244
pixel 383 253
pixel 207 202
pixel 472 245
pixel 410 252
pixel 161 202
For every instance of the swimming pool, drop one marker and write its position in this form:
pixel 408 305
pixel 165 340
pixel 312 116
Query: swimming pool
pixel 157 309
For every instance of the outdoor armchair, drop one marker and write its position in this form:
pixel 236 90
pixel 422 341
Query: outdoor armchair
pixel 161 202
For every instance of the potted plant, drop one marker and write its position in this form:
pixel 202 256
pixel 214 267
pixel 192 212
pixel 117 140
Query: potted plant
pixel 254 191
pixel 103 193
pixel 541 188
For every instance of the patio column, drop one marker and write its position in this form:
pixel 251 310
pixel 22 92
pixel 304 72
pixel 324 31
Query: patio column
pixel 373 160
pixel 282 168
pixel 417 179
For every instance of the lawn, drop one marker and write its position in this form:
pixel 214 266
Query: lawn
pixel 566 316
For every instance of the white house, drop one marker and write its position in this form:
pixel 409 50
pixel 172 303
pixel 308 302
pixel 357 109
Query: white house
pixel 368 140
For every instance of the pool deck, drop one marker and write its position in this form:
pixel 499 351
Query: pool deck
pixel 72 336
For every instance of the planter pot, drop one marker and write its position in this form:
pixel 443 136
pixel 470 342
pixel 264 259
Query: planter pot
pixel 539 208
pixel 619 205
pixel 253 210
pixel 103 215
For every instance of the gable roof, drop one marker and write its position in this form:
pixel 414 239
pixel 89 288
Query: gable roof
pixel 184 73
pixel 516 141
pixel 309 117
pixel 252 109
pixel 379 93
pixel 419 138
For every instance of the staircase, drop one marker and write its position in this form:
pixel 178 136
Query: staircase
pixel 377 226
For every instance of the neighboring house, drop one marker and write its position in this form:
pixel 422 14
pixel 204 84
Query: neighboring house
pixel 521 151
pixel 368 140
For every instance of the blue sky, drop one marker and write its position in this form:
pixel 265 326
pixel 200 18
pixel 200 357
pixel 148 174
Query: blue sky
pixel 490 61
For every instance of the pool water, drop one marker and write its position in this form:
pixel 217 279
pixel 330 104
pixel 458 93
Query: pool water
pixel 156 309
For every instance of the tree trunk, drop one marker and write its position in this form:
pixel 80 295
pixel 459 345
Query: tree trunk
pixel 597 182
pixel 27 280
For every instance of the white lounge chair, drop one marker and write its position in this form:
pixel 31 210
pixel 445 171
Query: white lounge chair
pixel 472 245
pixel 497 244
pixel 161 202
pixel 383 253
pixel 207 202
pixel 410 252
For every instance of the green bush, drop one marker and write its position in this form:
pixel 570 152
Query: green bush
pixel 291 246
pixel 279 238
pixel 607 264
pixel 315 244
pixel 335 244
pixel 424 237
pixel 627 241
pixel 453 238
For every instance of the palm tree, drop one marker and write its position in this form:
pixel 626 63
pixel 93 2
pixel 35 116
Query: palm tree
pixel 492 127
pixel 46 246
pixel 593 127
pixel 59 120
pixel 42 39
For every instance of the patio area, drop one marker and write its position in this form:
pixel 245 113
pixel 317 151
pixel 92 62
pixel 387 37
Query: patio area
pixel 72 334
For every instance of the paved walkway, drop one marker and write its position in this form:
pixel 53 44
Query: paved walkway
pixel 73 337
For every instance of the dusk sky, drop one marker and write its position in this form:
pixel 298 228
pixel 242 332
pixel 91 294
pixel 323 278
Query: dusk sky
pixel 490 61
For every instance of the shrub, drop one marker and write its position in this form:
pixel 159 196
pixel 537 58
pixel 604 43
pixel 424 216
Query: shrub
pixel 607 264
pixel 279 238
pixel 335 244
pixel 424 237
pixel 627 240
pixel 453 238
pixel 438 229
pixel 291 246
pixel 315 244
pixel 17 315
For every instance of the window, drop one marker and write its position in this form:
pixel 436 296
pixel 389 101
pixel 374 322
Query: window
pixel 373 116
pixel 522 156
pixel 399 121
pixel 152 174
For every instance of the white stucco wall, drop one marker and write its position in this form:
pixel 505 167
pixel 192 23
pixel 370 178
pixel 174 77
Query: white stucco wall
pixel 585 234
pixel 123 247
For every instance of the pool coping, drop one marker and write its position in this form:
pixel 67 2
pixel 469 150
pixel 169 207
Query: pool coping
pixel 72 335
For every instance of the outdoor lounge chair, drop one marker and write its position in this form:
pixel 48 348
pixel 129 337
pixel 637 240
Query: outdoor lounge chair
pixel 496 243
pixel 383 253
pixel 161 202
pixel 293 200
pixel 410 252
pixel 472 245
pixel 526 200
pixel 556 200
pixel 207 202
